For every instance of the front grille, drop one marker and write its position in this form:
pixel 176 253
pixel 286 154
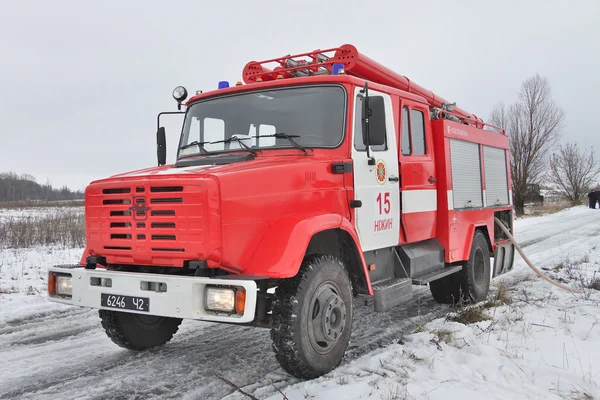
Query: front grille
pixel 120 236
pixel 116 191
pixel 163 225
pixel 120 248
pixel 120 213
pixel 156 213
pixel 164 237
pixel 166 200
pixel 166 189
pixel 167 249
pixel 141 219
pixel 116 201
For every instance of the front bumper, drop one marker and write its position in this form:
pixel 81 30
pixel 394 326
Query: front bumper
pixel 184 296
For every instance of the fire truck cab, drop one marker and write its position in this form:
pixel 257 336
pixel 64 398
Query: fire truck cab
pixel 326 177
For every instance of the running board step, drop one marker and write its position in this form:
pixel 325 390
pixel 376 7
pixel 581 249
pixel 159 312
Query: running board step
pixel 432 276
pixel 392 292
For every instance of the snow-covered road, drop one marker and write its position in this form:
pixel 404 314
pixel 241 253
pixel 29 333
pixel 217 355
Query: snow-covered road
pixel 50 351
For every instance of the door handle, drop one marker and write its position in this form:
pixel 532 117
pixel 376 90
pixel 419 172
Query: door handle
pixel 432 179
pixel 355 203
pixel 393 178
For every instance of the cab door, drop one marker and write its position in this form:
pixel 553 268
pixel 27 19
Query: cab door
pixel 376 186
pixel 417 171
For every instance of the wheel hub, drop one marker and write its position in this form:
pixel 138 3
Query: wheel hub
pixel 334 317
pixel 328 318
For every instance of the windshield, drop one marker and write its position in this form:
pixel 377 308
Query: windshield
pixel 313 115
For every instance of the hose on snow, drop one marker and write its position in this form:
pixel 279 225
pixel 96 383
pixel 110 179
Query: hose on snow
pixel 537 271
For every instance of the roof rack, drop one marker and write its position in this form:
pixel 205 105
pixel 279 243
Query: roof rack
pixel 320 62
pixel 316 62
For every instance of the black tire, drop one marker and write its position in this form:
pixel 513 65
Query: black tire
pixel 443 290
pixel 472 282
pixel 312 318
pixel 138 332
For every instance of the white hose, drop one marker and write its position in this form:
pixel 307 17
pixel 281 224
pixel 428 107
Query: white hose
pixel 537 271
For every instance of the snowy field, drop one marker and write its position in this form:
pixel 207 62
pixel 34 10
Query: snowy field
pixel 29 213
pixel 534 342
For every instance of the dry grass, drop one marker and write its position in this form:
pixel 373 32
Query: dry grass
pixel 502 297
pixel 9 290
pixel 594 284
pixel 502 294
pixel 571 269
pixel 443 335
pixel 551 208
pixel 470 315
pixel 396 392
pixel 420 327
pixel 580 395
pixel 58 228
pixel 342 380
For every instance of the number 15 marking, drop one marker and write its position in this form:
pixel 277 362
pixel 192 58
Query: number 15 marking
pixel 383 202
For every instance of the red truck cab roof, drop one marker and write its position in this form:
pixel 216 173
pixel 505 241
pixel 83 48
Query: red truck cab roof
pixel 310 80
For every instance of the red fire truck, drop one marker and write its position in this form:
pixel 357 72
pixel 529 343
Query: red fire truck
pixel 324 176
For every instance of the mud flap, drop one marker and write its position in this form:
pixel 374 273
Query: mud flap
pixel 504 257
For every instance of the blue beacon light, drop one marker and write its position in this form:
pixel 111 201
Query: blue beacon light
pixel 337 69
pixel 223 84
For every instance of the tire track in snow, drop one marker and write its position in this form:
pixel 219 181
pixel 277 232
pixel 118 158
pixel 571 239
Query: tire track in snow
pixel 188 363
pixel 40 316
pixel 37 327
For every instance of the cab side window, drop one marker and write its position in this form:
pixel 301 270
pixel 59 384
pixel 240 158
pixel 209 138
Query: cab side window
pixel 417 124
pixel 406 147
pixel 413 132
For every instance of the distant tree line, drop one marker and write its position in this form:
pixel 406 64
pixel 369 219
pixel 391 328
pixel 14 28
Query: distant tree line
pixel 14 187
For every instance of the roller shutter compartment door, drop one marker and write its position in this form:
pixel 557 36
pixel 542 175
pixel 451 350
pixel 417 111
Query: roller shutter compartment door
pixel 496 181
pixel 466 174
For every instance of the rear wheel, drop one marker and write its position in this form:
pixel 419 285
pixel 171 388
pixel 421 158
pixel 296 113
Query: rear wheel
pixel 138 332
pixel 472 282
pixel 312 318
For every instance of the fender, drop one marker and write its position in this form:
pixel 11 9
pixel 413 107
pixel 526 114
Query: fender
pixel 282 249
pixel 471 234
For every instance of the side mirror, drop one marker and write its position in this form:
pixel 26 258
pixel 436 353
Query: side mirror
pixel 377 126
pixel 161 146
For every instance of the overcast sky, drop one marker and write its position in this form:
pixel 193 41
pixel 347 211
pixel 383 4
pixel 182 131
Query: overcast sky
pixel 81 82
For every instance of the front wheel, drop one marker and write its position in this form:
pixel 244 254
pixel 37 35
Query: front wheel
pixel 312 318
pixel 136 331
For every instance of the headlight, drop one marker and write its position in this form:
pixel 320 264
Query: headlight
pixel 180 93
pixel 220 299
pixel 63 285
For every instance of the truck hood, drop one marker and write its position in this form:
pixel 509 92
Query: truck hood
pixel 218 165
pixel 168 215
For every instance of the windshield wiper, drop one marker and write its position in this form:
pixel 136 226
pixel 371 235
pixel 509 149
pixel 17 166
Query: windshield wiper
pixel 283 135
pixel 196 143
pixel 239 140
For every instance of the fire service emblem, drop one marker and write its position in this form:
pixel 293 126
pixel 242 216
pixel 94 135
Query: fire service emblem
pixel 380 172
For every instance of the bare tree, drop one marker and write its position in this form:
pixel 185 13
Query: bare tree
pixel 499 116
pixel 533 125
pixel 573 171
